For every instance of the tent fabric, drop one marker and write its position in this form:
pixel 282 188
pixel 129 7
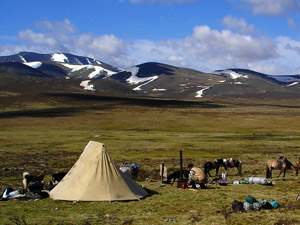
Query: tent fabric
pixel 94 177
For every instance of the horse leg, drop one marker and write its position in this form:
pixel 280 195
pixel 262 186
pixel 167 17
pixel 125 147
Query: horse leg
pixel 217 170
pixel 208 173
pixel 280 173
pixel 225 167
pixel 268 171
pixel 284 173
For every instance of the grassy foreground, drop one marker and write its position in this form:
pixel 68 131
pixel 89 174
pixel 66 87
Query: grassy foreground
pixel 51 136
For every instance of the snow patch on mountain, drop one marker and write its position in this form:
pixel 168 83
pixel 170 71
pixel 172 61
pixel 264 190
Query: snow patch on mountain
pixel 87 86
pixel 229 74
pixel 33 64
pixel 238 83
pixel 59 57
pixel 22 58
pixel 96 72
pixel 159 90
pixel 133 70
pixel 78 62
pixel 89 62
pixel 199 94
pixel 148 80
pixel 292 84
pixel 133 79
pixel 97 69
pixel 74 68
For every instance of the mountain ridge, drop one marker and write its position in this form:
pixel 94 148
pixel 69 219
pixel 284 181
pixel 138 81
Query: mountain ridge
pixel 151 79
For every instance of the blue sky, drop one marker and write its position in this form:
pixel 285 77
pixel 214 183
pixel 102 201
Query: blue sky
pixel 200 34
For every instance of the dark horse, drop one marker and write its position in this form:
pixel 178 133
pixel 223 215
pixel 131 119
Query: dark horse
pixel 230 163
pixel 208 166
pixel 176 175
pixel 226 163
pixel 281 164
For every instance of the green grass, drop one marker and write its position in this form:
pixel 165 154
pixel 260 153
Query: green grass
pixel 148 135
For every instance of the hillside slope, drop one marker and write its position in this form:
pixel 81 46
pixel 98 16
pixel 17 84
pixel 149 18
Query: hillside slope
pixel 150 79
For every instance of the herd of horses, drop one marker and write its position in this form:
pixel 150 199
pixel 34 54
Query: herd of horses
pixel 226 163
pixel 281 163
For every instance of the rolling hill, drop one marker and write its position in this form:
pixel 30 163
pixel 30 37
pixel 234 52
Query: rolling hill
pixel 150 79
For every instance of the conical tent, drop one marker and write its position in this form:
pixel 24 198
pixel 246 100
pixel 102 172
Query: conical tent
pixel 94 177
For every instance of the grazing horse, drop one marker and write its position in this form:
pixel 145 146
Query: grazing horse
pixel 281 164
pixel 208 166
pixel 230 163
pixel 176 175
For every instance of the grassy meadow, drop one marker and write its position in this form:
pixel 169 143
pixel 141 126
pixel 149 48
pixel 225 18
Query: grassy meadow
pixel 50 136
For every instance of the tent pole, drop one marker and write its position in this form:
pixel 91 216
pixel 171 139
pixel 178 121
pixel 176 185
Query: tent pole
pixel 181 174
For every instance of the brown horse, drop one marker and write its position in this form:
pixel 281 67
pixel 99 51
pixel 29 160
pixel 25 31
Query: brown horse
pixel 208 166
pixel 281 164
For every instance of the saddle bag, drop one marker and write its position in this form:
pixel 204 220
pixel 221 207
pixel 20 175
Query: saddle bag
pixel 237 206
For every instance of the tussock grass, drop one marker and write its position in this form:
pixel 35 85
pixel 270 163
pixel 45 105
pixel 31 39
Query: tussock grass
pixel 149 135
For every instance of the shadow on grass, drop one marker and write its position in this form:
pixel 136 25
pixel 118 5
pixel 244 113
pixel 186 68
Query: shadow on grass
pixel 69 111
pixel 151 192
pixel 144 101
pixel 49 112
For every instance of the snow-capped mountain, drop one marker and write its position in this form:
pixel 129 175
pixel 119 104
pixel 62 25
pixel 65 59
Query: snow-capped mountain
pixel 148 79
pixel 282 79
pixel 63 65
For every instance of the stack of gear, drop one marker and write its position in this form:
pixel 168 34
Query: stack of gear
pixel 254 180
pixel 252 204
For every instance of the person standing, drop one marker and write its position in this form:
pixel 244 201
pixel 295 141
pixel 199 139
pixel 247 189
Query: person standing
pixel 196 176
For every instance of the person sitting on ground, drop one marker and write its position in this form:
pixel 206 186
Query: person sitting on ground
pixel 196 176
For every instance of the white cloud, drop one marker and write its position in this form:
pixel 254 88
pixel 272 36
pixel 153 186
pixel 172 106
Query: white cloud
pixel 238 24
pixel 61 27
pixel 236 46
pixel 287 63
pixel 273 7
pixel 205 49
pixel 104 44
pixel 37 38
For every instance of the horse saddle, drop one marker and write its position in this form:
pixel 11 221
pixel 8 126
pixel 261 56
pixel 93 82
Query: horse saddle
pixel 280 162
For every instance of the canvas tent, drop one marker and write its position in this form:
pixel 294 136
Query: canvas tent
pixel 94 177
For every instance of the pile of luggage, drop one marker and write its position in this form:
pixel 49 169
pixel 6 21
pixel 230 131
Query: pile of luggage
pixel 252 204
